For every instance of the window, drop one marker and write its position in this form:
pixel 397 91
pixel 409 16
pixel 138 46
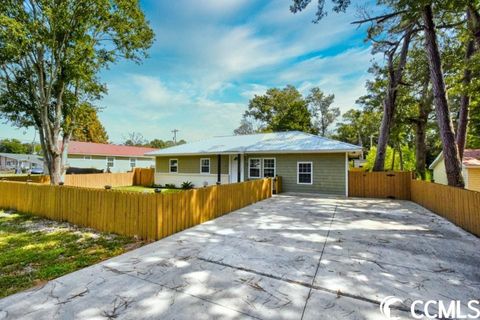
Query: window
pixel 110 162
pixel 205 165
pixel 173 165
pixel 254 168
pixel 87 157
pixel 304 173
pixel 133 162
pixel 269 167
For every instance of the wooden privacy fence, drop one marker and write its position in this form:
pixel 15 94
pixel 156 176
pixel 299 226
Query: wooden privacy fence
pixel 99 180
pixel 393 185
pixel 25 178
pixel 460 206
pixel 148 216
pixel 143 177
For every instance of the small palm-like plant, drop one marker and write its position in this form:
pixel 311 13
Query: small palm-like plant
pixel 187 185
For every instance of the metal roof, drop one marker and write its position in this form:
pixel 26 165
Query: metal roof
pixel 33 158
pixel 276 142
pixel 471 158
pixel 91 148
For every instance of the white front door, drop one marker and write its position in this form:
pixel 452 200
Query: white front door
pixel 234 168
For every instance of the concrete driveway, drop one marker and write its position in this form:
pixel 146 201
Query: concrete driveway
pixel 289 257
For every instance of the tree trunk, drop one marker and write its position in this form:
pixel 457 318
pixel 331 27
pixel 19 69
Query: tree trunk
pixel 464 102
pixel 392 167
pixel 449 146
pixel 474 22
pixel 424 110
pixel 400 154
pixel 389 103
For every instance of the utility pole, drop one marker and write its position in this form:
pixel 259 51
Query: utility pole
pixel 174 131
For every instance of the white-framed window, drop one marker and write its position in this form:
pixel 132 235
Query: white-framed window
pixel 304 172
pixel 110 162
pixel 254 168
pixel 133 162
pixel 205 165
pixel 269 167
pixel 87 157
pixel 173 165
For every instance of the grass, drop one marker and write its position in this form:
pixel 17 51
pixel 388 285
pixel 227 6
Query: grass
pixel 34 250
pixel 145 189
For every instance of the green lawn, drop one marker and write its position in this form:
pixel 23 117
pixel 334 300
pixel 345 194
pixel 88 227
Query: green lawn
pixel 145 189
pixel 34 250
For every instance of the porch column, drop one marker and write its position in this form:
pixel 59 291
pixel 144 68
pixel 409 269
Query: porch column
pixel 239 165
pixel 219 169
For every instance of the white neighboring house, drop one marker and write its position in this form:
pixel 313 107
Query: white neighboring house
pixel 101 156
pixel 14 161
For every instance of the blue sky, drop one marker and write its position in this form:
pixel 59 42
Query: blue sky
pixel 210 57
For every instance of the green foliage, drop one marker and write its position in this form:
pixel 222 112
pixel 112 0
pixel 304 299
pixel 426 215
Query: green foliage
pixel 14 146
pixel 408 156
pixel 87 127
pixel 358 126
pixel 51 53
pixel 170 186
pixel 161 144
pixel 281 110
pixel 29 257
pixel 321 109
pixel 186 185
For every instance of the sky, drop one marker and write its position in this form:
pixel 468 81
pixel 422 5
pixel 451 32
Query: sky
pixel 210 57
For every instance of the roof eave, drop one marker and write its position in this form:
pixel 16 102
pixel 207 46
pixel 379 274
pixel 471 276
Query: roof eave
pixel 257 152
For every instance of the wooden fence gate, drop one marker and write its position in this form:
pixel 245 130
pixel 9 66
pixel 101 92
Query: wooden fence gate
pixel 391 185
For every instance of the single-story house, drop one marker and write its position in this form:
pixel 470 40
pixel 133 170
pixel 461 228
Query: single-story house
pixel 107 157
pixel 14 161
pixel 305 162
pixel 470 169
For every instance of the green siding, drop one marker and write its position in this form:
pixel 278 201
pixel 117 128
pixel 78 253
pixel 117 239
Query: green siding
pixel 191 164
pixel 328 171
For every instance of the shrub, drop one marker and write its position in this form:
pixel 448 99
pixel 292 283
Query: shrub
pixel 187 185
pixel 170 186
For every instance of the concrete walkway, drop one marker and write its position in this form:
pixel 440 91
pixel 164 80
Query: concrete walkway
pixel 289 257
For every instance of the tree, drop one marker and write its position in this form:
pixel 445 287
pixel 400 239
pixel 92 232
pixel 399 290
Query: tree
pixel 451 156
pixel 281 110
pixel 395 73
pixel 320 107
pixel 135 139
pixel 358 127
pixel 161 144
pixel 246 127
pixel 87 127
pixel 50 55
pixel 14 146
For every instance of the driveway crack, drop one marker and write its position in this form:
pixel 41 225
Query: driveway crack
pixel 319 261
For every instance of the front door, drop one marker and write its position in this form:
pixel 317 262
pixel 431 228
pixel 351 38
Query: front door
pixel 234 168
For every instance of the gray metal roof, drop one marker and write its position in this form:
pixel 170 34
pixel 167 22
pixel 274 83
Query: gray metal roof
pixel 33 158
pixel 277 142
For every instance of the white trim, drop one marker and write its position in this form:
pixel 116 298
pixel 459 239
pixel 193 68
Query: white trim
pixel 346 174
pixel 87 157
pixel 170 165
pixel 112 166
pixel 209 165
pixel 311 172
pixel 259 169
pixel 274 166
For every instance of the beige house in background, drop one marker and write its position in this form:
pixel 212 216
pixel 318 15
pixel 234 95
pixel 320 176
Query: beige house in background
pixel 306 162
pixel 470 169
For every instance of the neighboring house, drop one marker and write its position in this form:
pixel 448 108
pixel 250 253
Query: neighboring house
pixel 14 161
pixel 107 156
pixel 306 163
pixel 470 169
